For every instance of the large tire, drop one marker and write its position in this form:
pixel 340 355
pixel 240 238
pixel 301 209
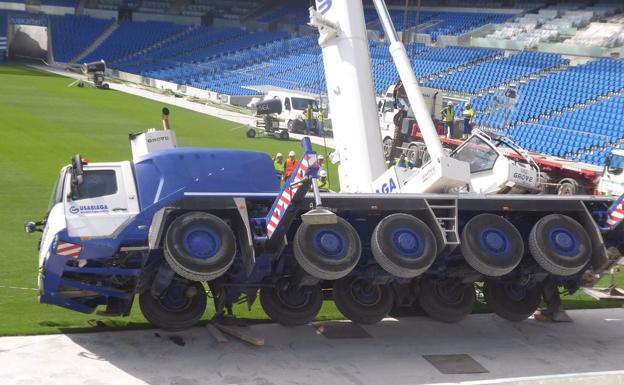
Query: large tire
pixel 290 126
pixel 284 135
pixel 445 300
pixel 560 245
pixel 387 147
pixel 403 245
pixel 362 302
pixel 327 251
pixel 568 187
pixel 180 306
pixel 291 305
pixel 251 133
pixel 491 245
pixel 512 302
pixel 199 246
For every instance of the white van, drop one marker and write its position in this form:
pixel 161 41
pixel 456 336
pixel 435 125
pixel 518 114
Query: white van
pixel 294 105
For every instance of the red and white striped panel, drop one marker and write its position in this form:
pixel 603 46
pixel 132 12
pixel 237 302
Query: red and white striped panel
pixel 616 215
pixel 68 249
pixel 286 197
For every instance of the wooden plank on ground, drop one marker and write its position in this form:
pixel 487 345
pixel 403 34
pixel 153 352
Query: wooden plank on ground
pixel 216 334
pixel 242 334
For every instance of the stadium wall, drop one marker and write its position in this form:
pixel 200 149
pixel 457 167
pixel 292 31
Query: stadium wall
pixel 13 6
pixel 101 13
pixel 187 20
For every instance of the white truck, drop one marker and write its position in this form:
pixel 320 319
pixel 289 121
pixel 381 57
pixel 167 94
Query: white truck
pixel 294 105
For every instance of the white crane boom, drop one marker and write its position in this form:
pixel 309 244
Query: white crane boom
pixel 351 95
pixel 357 136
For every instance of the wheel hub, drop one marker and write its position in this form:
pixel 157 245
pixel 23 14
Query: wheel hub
pixel 563 242
pixel 329 243
pixel 364 293
pixel 175 297
pixel 201 242
pixel 494 241
pixel 407 242
pixel 293 298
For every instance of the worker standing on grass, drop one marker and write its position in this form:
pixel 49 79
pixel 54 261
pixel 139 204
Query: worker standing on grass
pixel 309 116
pixel 321 122
pixel 278 163
pixel 321 161
pixel 323 182
pixel 290 165
pixel 468 115
pixel 448 116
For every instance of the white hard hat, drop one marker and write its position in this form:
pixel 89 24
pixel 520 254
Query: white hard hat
pixel 320 157
pixel 292 153
pixel 323 173
pixel 449 103
pixel 279 155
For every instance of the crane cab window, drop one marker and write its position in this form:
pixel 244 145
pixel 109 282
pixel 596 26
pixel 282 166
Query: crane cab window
pixel 96 183
pixel 616 165
pixel 477 152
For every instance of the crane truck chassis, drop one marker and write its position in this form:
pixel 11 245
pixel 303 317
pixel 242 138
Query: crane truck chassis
pixel 175 219
pixel 185 217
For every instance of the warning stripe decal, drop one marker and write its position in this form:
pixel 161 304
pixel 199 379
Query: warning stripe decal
pixel 68 249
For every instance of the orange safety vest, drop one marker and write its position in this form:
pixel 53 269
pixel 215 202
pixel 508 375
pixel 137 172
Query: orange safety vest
pixel 290 167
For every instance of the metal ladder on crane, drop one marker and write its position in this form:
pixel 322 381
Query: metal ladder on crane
pixel 445 212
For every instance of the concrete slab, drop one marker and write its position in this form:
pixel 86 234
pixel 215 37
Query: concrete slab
pixel 302 355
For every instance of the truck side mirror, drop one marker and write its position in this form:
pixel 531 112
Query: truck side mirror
pixel 77 175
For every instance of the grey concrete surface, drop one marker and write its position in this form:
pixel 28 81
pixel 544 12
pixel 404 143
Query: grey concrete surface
pixel 393 354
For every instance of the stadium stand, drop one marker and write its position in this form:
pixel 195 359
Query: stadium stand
pixel 72 34
pixel 512 67
pixel 133 37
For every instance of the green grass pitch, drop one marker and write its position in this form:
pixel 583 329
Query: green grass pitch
pixel 43 122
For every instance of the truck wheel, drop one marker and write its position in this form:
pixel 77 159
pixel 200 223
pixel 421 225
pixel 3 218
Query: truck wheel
pixel 291 305
pixel 446 300
pixel 251 133
pixel 560 245
pixel 362 302
pixel 327 251
pixel 284 135
pixel 180 306
pixel 290 126
pixel 568 187
pixel 512 302
pixel 199 246
pixel 414 155
pixel 491 245
pixel 403 245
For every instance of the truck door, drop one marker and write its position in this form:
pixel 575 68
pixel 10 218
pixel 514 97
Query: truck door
pixel 103 203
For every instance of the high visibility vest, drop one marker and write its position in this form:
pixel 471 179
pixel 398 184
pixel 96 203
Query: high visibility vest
pixel 289 167
pixel 323 184
pixel 279 167
pixel 470 113
pixel 448 114
pixel 309 113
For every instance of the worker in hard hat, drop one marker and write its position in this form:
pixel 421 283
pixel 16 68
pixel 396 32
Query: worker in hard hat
pixel 448 116
pixel 323 182
pixel 278 163
pixel 309 117
pixel 321 161
pixel 321 122
pixel 468 115
pixel 291 165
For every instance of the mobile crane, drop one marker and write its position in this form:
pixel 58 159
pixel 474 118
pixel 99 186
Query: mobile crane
pixel 175 219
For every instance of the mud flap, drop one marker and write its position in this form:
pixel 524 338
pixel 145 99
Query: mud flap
pixel 243 233
pixel 599 258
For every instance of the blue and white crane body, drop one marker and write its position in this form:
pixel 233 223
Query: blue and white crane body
pixel 174 220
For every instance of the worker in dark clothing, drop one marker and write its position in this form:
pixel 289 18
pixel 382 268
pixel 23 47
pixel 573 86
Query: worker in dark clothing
pixel 309 119
pixel 448 116
pixel 468 115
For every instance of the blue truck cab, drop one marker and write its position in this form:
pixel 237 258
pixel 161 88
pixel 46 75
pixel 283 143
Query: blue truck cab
pixel 95 245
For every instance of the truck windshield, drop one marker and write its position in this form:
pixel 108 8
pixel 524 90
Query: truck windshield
pixel 616 164
pixel 476 152
pixel 57 191
pixel 301 104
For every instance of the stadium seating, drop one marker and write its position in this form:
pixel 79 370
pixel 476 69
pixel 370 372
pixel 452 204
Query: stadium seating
pixel 72 34
pixel 477 79
pixel 132 37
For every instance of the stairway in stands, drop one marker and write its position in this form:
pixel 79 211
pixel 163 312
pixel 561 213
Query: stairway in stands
pixel 96 43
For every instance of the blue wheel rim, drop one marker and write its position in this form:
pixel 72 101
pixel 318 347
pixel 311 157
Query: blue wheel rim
pixel 494 241
pixel 174 298
pixel 329 242
pixel 408 243
pixel 201 242
pixel 563 242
